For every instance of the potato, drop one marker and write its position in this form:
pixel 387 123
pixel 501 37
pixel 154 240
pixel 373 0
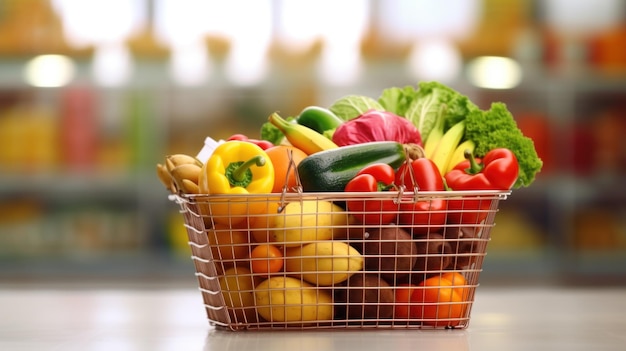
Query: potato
pixel 287 299
pixel 307 221
pixel 390 251
pixel 366 296
pixel 465 241
pixel 237 286
pixel 324 263
pixel 434 253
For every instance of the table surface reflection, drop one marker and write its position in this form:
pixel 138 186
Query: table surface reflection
pixel 515 318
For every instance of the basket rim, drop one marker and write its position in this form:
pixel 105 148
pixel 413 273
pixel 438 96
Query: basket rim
pixel 399 195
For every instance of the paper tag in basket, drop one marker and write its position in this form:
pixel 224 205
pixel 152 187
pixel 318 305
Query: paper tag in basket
pixel 207 150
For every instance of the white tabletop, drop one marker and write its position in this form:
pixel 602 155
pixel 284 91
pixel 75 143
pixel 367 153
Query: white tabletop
pixel 149 318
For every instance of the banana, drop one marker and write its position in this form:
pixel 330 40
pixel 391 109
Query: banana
pixel 435 135
pixel 432 141
pixel 304 138
pixel 458 155
pixel 448 143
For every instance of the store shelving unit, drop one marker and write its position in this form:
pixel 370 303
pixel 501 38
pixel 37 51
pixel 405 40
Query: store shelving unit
pixel 132 206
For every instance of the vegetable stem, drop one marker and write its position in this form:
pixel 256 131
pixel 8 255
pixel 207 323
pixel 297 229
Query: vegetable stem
pixel 239 173
pixel 474 167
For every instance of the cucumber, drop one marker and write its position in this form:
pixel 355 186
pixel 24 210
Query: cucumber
pixel 319 119
pixel 331 170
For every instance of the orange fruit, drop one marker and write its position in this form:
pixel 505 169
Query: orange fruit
pixel 227 243
pixel 279 155
pixel 266 258
pixel 437 302
pixel 402 309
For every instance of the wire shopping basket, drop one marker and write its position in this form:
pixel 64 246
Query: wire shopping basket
pixel 303 261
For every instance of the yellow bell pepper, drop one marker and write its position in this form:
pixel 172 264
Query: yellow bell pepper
pixel 236 167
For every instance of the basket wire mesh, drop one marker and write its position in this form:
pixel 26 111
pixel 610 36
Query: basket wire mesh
pixel 337 272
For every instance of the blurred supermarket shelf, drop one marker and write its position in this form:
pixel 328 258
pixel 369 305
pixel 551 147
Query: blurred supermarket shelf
pixel 101 213
pixel 82 185
pixel 140 269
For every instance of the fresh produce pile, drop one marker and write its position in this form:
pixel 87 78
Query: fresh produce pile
pixel 284 255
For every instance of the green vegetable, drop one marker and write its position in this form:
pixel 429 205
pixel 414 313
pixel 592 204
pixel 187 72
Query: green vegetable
pixel 319 119
pixel 397 100
pixel 331 170
pixel 352 106
pixel 435 101
pixel 438 105
pixel 272 134
pixel 496 128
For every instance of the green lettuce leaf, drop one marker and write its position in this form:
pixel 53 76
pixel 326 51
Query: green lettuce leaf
pixel 352 106
pixel 397 100
pixel 433 101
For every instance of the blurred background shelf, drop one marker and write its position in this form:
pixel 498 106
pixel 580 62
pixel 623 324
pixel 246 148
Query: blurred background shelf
pixel 79 195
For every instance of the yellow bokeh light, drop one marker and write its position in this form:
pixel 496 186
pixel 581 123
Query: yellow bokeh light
pixel 49 71
pixel 493 72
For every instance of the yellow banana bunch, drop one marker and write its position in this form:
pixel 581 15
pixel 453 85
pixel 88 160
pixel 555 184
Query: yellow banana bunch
pixel 458 155
pixel 430 145
pixel 304 138
pixel 180 173
pixel 446 146
pixel 435 135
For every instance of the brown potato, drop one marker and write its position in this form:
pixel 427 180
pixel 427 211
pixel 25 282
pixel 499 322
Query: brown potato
pixel 366 296
pixel 434 253
pixel 389 251
pixel 466 244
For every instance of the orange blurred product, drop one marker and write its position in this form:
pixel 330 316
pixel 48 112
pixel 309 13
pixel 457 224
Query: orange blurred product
pixel 537 127
pixel 608 52
pixel 266 259
pixel 284 175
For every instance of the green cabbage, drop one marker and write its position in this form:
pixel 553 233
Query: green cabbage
pixel 352 106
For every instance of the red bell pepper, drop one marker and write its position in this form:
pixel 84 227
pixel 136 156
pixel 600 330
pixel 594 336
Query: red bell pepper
pixel 263 144
pixel 373 178
pixel 427 215
pixel 498 170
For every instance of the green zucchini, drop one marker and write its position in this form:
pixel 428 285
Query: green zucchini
pixel 331 170
pixel 319 119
